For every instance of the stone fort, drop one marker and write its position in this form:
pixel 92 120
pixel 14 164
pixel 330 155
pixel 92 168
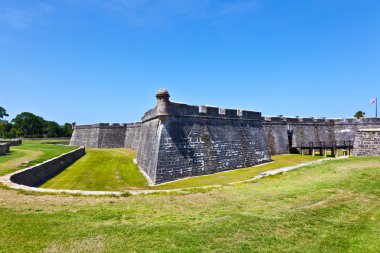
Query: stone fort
pixel 175 140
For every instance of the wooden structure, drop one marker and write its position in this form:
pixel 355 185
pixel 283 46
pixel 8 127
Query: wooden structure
pixel 345 146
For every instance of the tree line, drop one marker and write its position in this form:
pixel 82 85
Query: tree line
pixel 28 125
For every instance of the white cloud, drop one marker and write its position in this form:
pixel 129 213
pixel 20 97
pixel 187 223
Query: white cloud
pixel 24 16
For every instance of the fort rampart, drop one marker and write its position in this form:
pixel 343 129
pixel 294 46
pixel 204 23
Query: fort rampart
pixel 367 142
pixel 12 142
pixel 175 140
pixel 4 148
pixel 40 173
pixel 284 132
pixel 192 140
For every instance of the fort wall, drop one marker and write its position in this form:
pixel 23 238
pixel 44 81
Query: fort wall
pixel 86 136
pixel 367 142
pixel 148 149
pixel 40 173
pixel 198 146
pixel 111 136
pixel 132 135
pixel 4 148
pixel 102 135
pixel 188 140
pixel 12 142
pixel 302 131
pixel 176 140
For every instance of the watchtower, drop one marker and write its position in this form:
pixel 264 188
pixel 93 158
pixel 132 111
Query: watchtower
pixel 163 104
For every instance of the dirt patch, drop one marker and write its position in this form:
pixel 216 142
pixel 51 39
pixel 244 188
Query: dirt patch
pixel 24 160
pixel 95 244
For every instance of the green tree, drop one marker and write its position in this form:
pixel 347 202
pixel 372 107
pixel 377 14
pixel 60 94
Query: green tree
pixel 13 133
pixel 28 125
pixel 3 113
pixel 51 129
pixel 5 127
pixel 66 130
pixel 359 114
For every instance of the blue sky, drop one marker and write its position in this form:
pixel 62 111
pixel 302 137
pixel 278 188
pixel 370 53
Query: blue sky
pixel 94 61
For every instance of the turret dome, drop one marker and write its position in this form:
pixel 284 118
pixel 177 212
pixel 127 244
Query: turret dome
pixel 161 93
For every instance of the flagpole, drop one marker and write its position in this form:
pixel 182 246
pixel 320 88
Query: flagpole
pixel 376 107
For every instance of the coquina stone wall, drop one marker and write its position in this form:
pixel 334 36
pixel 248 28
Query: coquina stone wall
pixel 41 173
pixel 367 142
pixel 282 131
pixel 179 140
pixel 105 135
pixel 203 145
pixel 12 142
pixel 86 135
pixel 148 149
pixel 175 140
pixel 111 136
pixel 132 135
pixel 4 148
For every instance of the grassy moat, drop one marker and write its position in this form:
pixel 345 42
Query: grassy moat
pixel 329 207
pixel 30 153
pixel 332 206
pixel 114 170
pixel 101 169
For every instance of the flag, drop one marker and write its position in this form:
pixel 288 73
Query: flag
pixel 373 101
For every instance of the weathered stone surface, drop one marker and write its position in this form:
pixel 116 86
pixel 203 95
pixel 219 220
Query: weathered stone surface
pixel 86 136
pixel 4 148
pixel 175 140
pixel 111 136
pixel 367 142
pixel 306 130
pixel 100 135
pixel 147 153
pixel 199 146
pixel 12 142
pixel 132 135
pixel 40 173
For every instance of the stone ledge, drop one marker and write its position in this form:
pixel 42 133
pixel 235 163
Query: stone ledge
pixel 38 174
pixel 369 130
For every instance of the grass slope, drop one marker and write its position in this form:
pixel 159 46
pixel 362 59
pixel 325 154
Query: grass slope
pixel 101 169
pixel 114 170
pixel 329 207
pixel 28 154
pixel 224 178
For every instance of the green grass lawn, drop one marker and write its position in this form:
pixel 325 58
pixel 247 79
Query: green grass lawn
pixel 63 141
pixel 224 178
pixel 114 170
pixel 28 154
pixel 101 169
pixel 329 207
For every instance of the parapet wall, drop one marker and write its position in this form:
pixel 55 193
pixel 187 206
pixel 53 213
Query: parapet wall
pixel 148 149
pixel 40 173
pixel 111 136
pixel 367 142
pixel 176 140
pixel 86 136
pixel 203 111
pixel 12 142
pixel 4 148
pixel 105 135
pixel 282 131
pixel 199 140
pixel 132 135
